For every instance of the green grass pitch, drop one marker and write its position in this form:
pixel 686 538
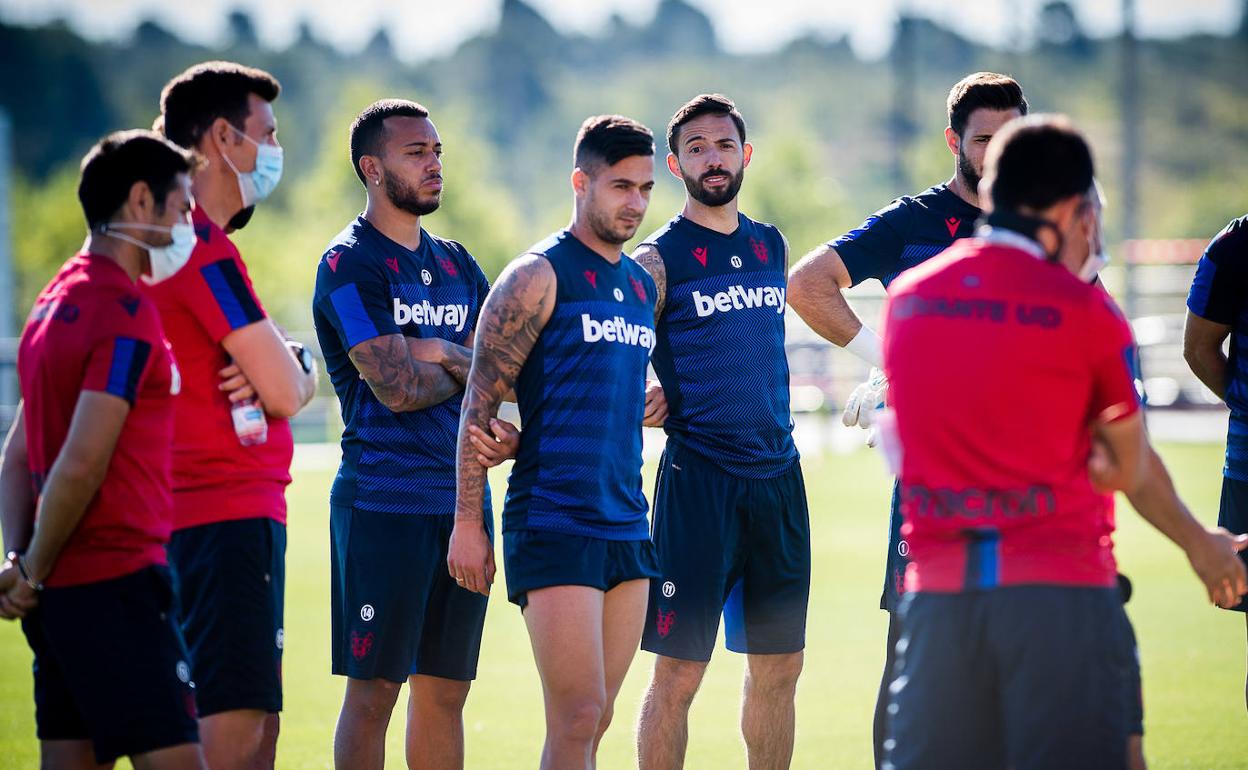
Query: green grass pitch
pixel 1193 655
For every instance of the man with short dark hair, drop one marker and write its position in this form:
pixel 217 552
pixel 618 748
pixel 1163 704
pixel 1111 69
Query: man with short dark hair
pixel 907 232
pixel 730 519
pixel 1015 650
pixel 85 481
pixel 232 441
pixel 570 325
pixel 1215 311
pixel 395 310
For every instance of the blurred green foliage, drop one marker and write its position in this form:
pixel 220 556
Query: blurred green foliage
pixel 831 144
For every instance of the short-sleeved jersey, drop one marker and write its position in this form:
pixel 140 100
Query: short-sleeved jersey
pixel 1219 293
pixel 368 286
pixel 905 233
pixel 581 394
pixel 92 329
pixel 720 345
pixel 994 484
pixel 215 478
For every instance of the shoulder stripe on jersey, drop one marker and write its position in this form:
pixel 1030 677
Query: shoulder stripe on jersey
pixel 355 323
pixel 129 358
pixel 231 292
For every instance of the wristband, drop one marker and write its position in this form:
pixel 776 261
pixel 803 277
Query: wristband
pixel 866 345
pixel 20 560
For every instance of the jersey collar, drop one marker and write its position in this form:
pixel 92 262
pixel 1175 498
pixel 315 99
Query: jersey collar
pixel 1003 237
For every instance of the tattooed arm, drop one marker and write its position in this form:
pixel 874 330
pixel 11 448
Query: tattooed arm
pixel 404 373
pixel 514 314
pixel 649 258
pixel 455 359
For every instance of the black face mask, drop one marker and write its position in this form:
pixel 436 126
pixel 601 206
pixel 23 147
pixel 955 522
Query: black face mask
pixel 240 220
pixel 1026 226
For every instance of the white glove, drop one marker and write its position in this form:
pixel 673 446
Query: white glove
pixel 863 402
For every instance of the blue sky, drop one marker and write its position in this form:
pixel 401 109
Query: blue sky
pixel 433 27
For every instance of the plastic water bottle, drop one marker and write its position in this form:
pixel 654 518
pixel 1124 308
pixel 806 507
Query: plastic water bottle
pixel 250 424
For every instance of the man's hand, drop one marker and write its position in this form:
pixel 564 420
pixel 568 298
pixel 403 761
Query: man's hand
pixel 656 406
pixel 16 597
pixel 470 559
pixel 235 384
pixel 1215 559
pixel 863 403
pixel 493 449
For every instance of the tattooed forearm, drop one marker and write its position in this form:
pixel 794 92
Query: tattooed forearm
pixel 457 362
pixel 649 258
pixel 513 317
pixel 400 382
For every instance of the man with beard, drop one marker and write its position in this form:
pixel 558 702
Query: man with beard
pixel 395 308
pixel 231 460
pixel 730 518
pixel 570 327
pixel 907 232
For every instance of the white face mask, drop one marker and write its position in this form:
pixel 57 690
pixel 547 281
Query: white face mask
pixel 1093 265
pixel 257 184
pixel 165 260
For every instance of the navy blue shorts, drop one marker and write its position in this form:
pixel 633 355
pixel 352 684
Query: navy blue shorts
pixel 396 609
pixel 896 559
pixel 230 578
pixel 1233 514
pixel 538 558
pixel 732 546
pixel 110 666
pixel 1025 677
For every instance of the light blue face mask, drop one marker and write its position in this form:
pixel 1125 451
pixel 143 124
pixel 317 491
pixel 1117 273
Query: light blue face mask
pixel 257 184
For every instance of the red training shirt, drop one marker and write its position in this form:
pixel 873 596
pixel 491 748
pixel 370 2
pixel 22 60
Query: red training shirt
pixel 92 329
pixel 999 363
pixel 215 478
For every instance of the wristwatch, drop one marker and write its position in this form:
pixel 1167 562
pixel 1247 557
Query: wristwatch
pixel 19 560
pixel 301 354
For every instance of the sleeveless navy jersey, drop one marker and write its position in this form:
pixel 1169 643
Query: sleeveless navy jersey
pixel 720 352
pixel 1219 293
pixel 907 232
pixel 581 395
pixel 368 286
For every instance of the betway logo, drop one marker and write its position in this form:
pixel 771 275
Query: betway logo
pixel 426 314
pixel 739 298
pixel 617 330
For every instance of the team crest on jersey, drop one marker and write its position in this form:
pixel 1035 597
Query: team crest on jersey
pixel 448 266
pixel 592 277
pixel 332 258
pixel 760 250
pixel 361 645
pixel 130 303
pixel 700 254
pixel 951 223
pixel 664 622
pixel 639 288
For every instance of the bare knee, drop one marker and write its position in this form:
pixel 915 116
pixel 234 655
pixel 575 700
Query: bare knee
pixel 579 719
pixel 371 700
pixel 443 695
pixel 676 681
pixel 774 673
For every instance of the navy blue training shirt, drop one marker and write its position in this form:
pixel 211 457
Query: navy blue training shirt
pixel 581 394
pixel 720 353
pixel 368 286
pixel 905 233
pixel 1219 293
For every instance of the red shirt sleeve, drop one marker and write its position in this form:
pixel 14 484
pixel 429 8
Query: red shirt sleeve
pixel 1114 361
pixel 217 289
pixel 126 340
